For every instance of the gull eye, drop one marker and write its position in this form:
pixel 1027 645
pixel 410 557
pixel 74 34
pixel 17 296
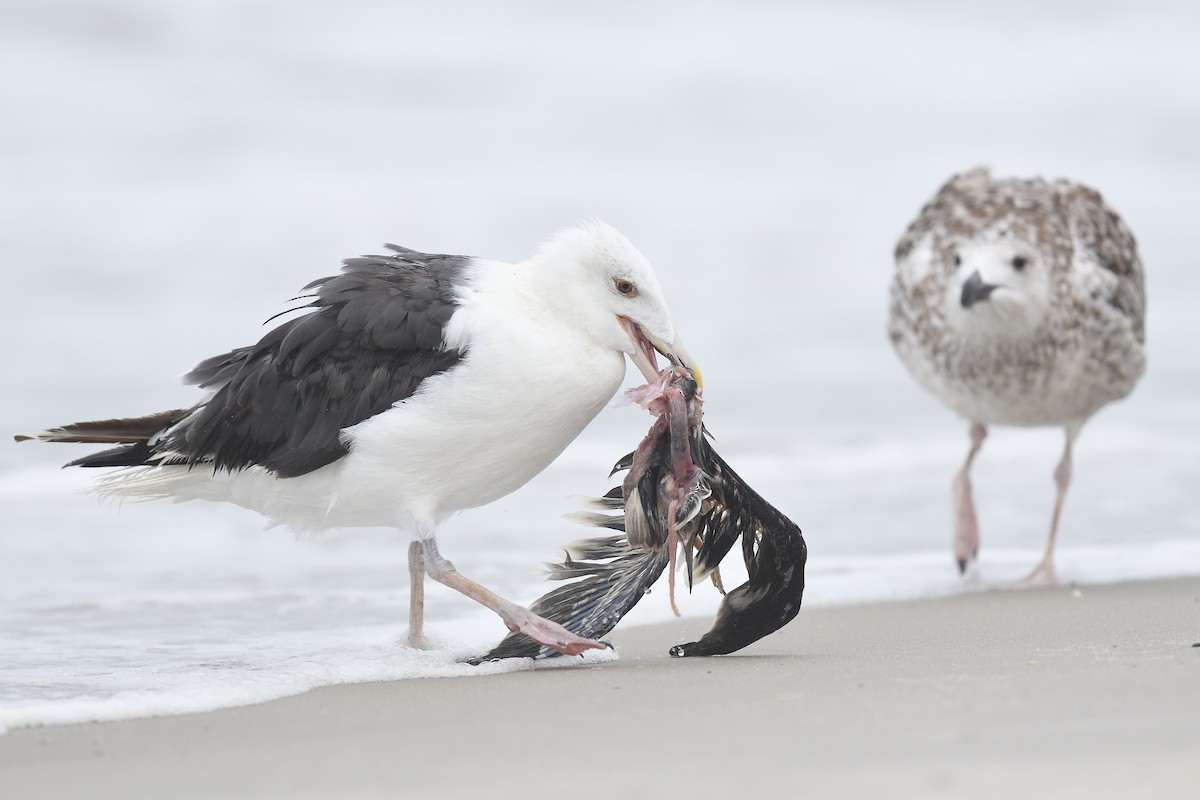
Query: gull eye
pixel 625 287
pixel 1019 263
pixel 957 260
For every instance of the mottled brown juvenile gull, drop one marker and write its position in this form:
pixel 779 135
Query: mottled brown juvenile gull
pixel 1018 302
pixel 413 387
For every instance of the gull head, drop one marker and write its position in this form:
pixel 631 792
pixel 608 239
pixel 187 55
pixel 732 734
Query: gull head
pixel 595 277
pixel 999 286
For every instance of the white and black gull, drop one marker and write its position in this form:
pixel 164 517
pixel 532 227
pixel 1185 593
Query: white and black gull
pixel 412 387
pixel 1018 302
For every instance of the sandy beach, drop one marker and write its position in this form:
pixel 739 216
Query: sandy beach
pixel 1066 692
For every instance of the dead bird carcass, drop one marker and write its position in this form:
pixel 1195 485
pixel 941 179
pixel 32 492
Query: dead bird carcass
pixel 677 493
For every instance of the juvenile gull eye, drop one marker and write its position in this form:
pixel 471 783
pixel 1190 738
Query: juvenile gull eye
pixel 957 260
pixel 625 287
pixel 1019 262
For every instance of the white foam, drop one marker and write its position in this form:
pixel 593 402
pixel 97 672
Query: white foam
pixel 82 667
pixel 181 680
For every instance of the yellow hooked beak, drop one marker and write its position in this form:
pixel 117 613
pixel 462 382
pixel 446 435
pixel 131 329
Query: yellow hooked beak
pixel 645 345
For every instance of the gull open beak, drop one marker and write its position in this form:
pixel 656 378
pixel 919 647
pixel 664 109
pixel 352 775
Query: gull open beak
pixel 644 347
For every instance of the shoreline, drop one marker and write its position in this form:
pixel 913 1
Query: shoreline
pixel 1089 690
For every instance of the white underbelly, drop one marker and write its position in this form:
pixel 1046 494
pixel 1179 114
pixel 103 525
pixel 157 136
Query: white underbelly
pixel 1067 390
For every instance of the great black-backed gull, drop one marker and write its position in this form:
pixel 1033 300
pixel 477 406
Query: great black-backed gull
pixel 1018 302
pixel 415 386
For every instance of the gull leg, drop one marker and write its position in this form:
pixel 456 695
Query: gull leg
pixel 1044 572
pixel 966 524
pixel 517 618
pixel 416 595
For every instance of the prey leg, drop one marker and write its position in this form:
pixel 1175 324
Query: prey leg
pixel 683 484
pixel 716 580
pixel 517 618
pixel 966 523
pixel 673 549
pixel 1044 573
pixel 416 595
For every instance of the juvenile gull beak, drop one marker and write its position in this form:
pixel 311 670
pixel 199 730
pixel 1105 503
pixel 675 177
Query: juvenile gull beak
pixel 975 290
pixel 645 345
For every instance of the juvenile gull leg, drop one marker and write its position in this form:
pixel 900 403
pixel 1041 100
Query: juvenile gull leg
pixel 1044 572
pixel 416 595
pixel 517 618
pixel 966 523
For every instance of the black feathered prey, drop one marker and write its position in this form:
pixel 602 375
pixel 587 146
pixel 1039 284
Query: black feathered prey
pixel 612 574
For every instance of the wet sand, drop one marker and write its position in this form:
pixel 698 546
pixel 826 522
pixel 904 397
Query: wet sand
pixel 1088 692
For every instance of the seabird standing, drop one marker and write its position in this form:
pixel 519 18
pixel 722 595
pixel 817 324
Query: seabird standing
pixel 415 386
pixel 1018 302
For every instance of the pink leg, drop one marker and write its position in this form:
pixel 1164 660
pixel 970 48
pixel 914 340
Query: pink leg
pixel 517 618
pixel 416 595
pixel 966 524
pixel 673 549
pixel 1044 572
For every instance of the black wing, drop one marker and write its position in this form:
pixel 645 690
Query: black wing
pixel 609 586
pixel 619 574
pixel 374 334
pixel 773 550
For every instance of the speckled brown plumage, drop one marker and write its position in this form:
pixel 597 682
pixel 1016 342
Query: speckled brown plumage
pixel 1095 317
pixel 1019 302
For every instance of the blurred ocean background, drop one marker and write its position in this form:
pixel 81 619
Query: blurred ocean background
pixel 171 173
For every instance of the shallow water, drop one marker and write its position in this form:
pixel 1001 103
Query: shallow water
pixel 173 172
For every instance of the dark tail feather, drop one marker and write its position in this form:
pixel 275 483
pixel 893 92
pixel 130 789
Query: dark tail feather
pixel 133 455
pixel 135 433
pixel 135 430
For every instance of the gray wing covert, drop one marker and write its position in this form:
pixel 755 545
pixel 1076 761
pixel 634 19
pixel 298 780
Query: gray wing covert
pixel 1101 232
